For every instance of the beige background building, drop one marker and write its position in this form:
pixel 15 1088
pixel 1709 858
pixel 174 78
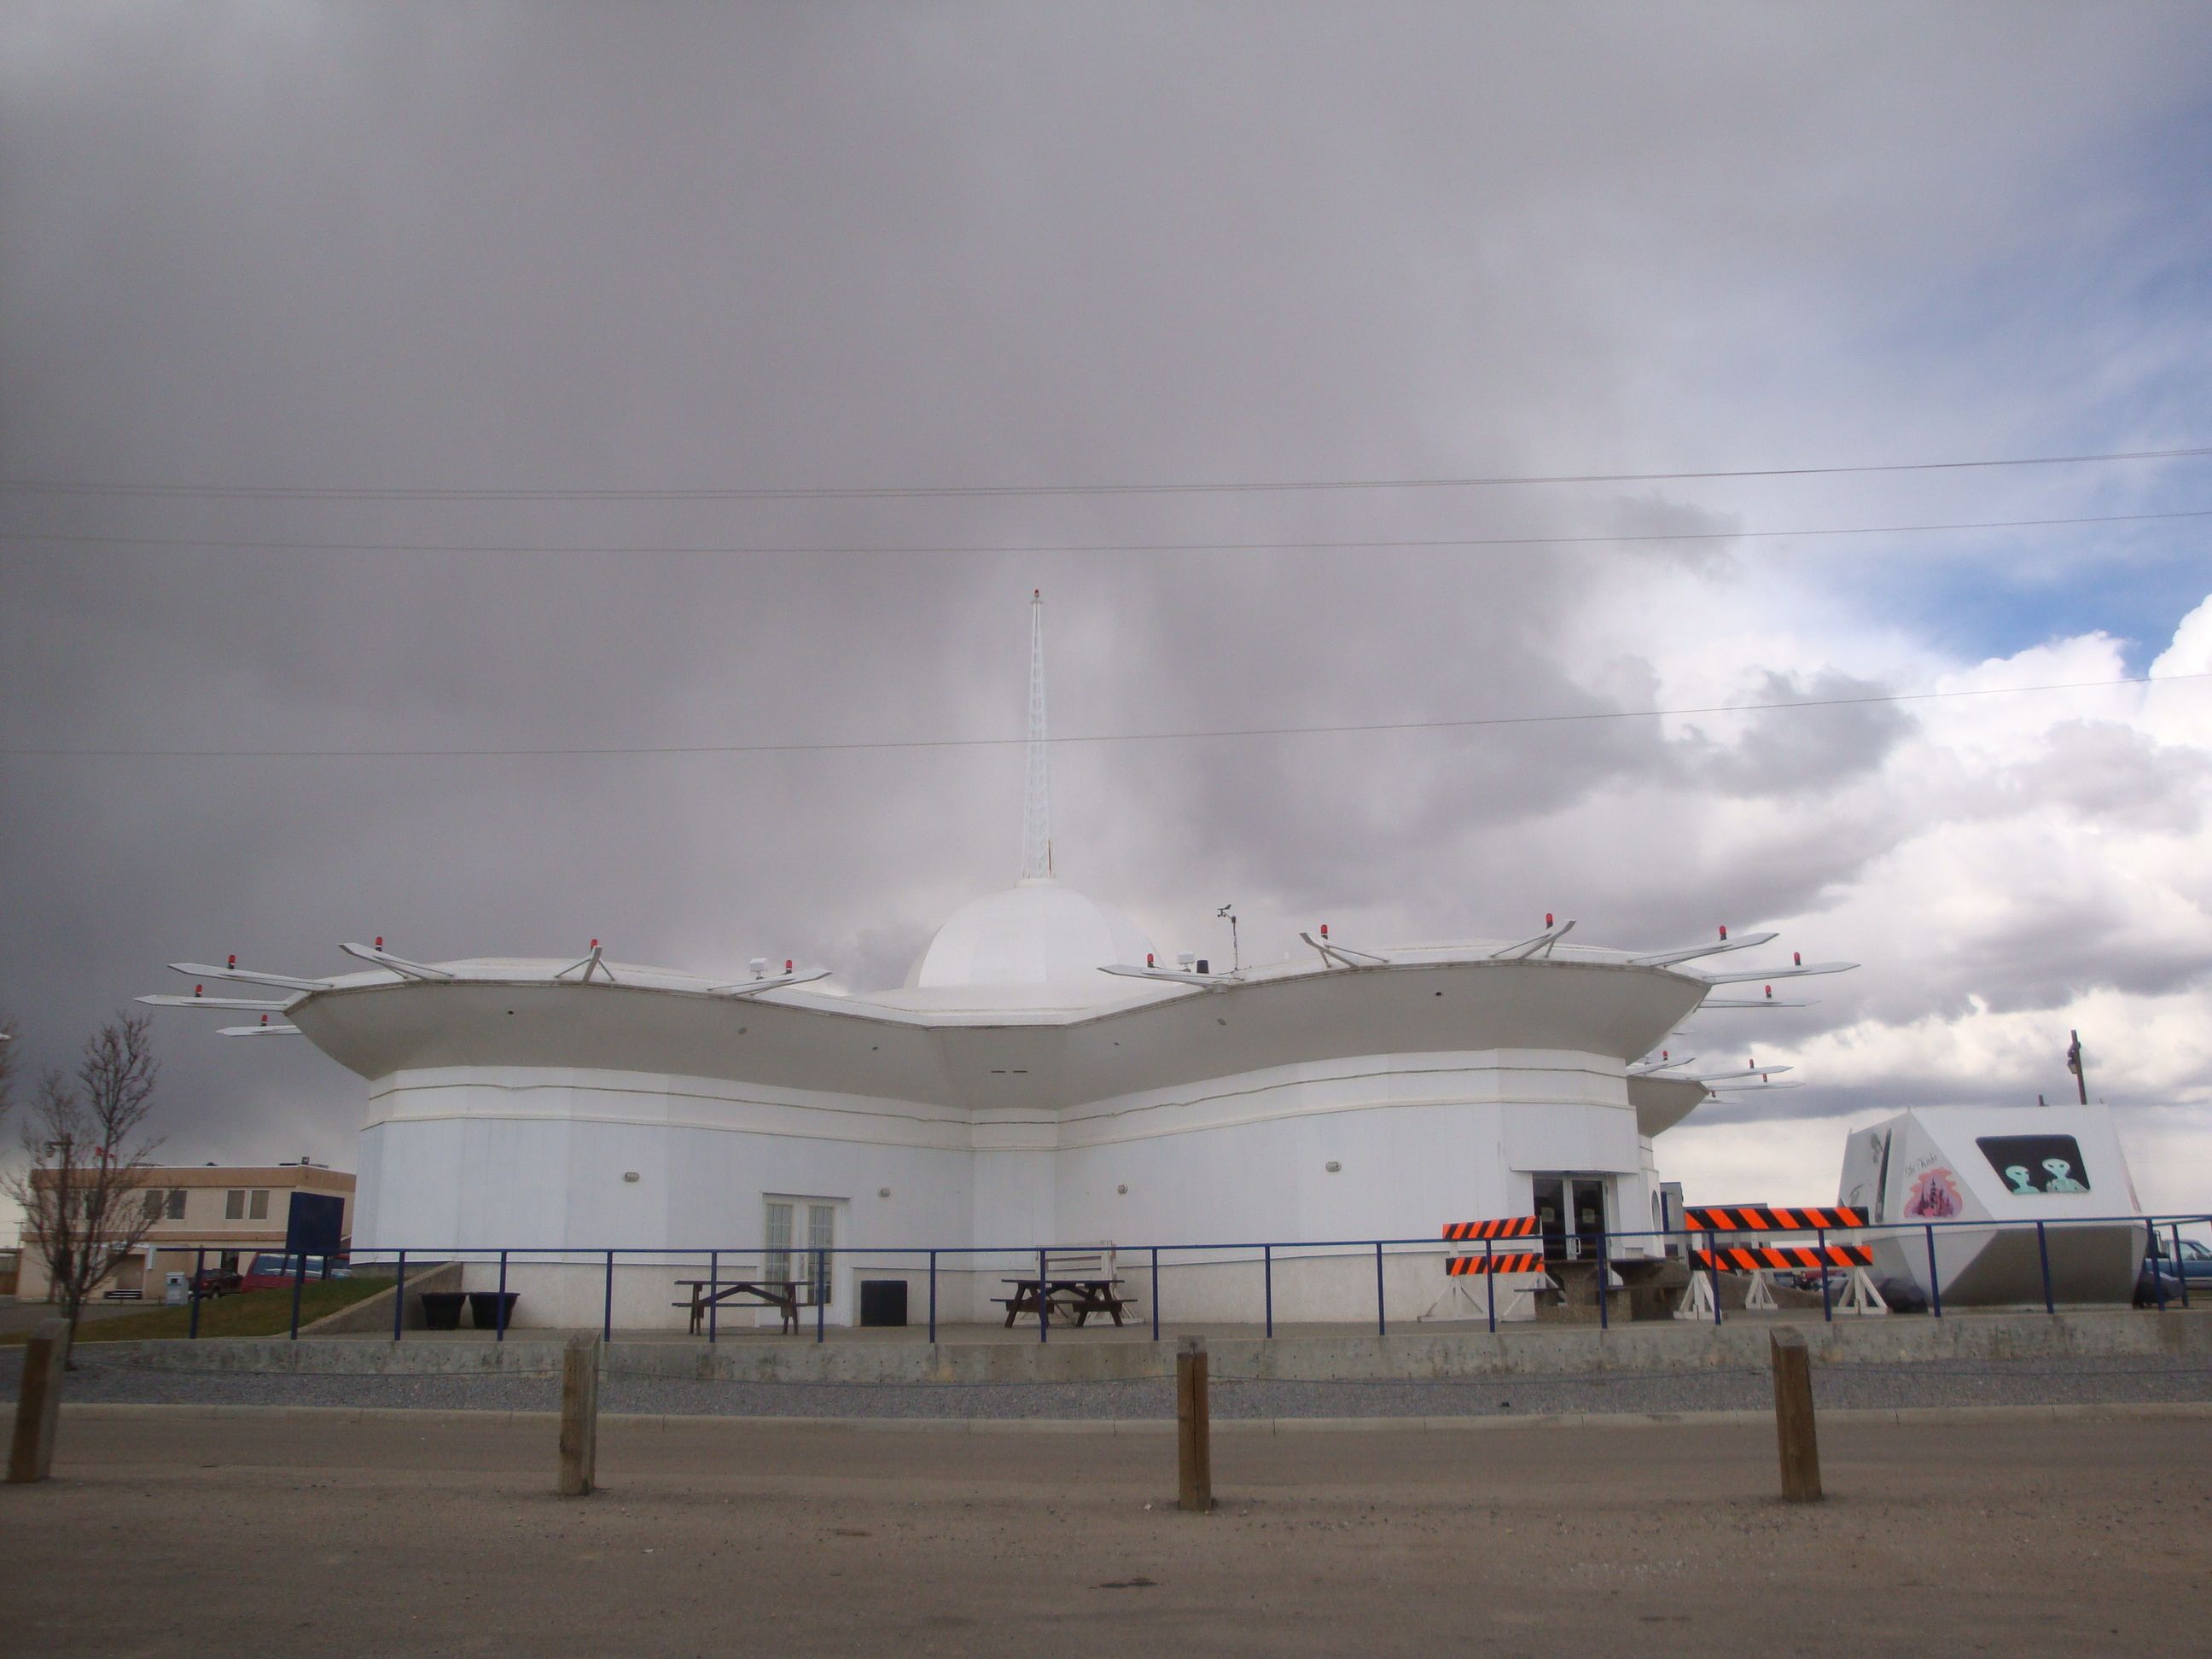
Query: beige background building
pixel 233 1212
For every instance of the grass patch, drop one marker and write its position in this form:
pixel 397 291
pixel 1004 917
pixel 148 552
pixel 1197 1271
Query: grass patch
pixel 253 1313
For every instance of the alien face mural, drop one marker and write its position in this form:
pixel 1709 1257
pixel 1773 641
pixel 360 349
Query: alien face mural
pixel 2037 1165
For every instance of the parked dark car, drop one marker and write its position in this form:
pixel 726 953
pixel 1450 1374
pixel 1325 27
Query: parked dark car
pixel 271 1272
pixel 217 1281
pixel 2160 1274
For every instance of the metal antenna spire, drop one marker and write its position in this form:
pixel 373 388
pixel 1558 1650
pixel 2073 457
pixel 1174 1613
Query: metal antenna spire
pixel 1037 803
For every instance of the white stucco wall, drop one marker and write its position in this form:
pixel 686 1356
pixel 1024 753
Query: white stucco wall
pixel 486 1158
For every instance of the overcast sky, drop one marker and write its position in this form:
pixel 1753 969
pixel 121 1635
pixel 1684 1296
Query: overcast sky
pixel 542 249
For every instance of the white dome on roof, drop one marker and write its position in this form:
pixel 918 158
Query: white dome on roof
pixel 1037 932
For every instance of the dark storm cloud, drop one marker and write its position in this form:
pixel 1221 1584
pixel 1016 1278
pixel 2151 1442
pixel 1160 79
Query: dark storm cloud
pixel 2099 768
pixel 1788 753
pixel 543 248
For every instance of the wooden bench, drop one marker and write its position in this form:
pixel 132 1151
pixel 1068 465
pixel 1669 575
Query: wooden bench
pixel 787 1296
pixel 1079 1280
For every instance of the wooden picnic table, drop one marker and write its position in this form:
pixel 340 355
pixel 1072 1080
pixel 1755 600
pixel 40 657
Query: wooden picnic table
pixel 779 1293
pixel 1074 1299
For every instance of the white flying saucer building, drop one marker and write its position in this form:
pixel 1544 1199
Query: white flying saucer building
pixel 1041 1079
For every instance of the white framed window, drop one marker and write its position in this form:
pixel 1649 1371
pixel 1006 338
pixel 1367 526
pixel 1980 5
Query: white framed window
pixel 820 1237
pixel 777 1263
pixel 256 1207
pixel 234 1204
pixel 801 1234
pixel 176 1206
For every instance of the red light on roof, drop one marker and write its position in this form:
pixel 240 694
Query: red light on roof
pixel 197 990
pixel 1547 918
pixel 1724 930
pixel 786 964
pixel 264 1019
pixel 1770 991
pixel 234 959
pixel 1324 930
pixel 1796 958
pixel 595 944
pixel 380 941
pixel 1663 1053
pixel 1150 962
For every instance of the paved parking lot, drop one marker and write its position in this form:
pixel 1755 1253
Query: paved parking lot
pixel 292 1531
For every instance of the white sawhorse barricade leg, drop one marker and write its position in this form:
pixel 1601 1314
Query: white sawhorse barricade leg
pixel 1861 1298
pixel 1458 1298
pixel 1698 1301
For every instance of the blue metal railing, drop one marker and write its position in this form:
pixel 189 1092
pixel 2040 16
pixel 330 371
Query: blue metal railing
pixel 1607 1251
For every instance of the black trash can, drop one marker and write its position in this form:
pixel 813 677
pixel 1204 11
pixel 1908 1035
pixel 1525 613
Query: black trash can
pixel 442 1310
pixel 484 1308
pixel 883 1302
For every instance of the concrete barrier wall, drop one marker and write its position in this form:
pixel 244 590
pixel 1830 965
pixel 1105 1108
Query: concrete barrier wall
pixel 1527 1351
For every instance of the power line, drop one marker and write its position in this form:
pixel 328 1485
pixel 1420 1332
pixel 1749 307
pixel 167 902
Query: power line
pixel 1588 716
pixel 1372 542
pixel 924 492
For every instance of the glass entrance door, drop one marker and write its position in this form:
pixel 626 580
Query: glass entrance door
pixel 800 1236
pixel 1551 1216
pixel 1569 1215
pixel 1586 1201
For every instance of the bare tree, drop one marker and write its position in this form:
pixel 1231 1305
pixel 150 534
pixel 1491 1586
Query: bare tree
pixel 10 1055
pixel 8 1058
pixel 84 1194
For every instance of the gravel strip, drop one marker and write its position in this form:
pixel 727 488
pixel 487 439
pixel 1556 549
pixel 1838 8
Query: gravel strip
pixel 1947 1383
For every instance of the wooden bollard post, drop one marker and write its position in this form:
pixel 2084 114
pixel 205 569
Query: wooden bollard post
pixel 579 1416
pixel 38 1406
pixel 1793 1417
pixel 1194 1446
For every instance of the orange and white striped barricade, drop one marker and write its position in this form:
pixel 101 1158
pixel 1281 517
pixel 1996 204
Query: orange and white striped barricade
pixel 1738 1240
pixel 1517 1262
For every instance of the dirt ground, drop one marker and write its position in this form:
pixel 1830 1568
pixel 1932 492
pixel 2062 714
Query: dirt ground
pixel 296 1532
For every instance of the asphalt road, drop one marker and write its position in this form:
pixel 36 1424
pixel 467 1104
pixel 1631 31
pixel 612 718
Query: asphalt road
pixel 294 1532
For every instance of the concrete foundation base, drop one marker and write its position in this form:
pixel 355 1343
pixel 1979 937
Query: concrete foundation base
pixel 973 1355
